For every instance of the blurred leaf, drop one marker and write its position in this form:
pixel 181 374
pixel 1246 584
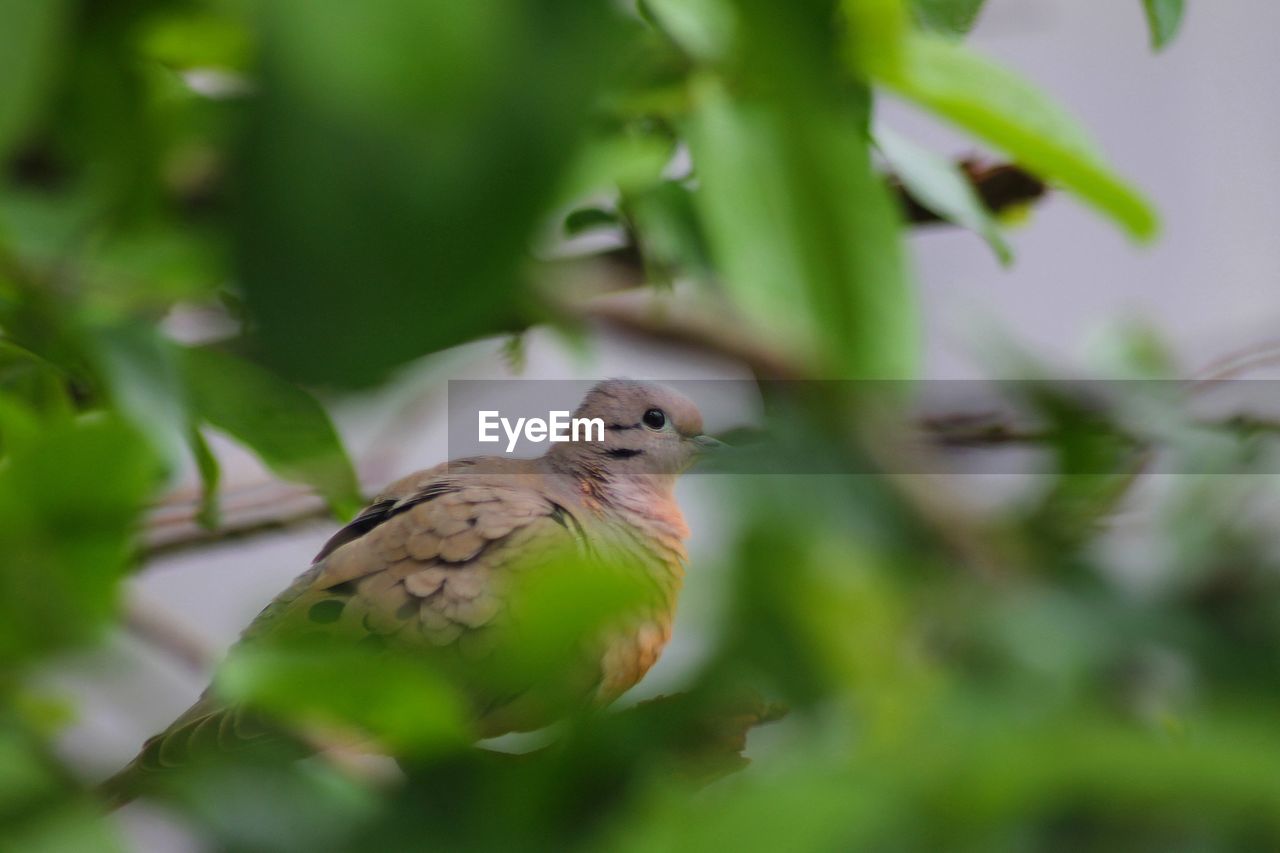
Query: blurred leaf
pixel 832 629
pixel 44 712
pixel 40 809
pixel 1012 115
pixel 1095 464
pixel 283 424
pixel 20 428
pixel 626 163
pixel 877 32
pixel 145 384
pixel 41 230
pixel 586 219
pixel 23 773
pixel 514 353
pixel 73 826
pixel 1111 780
pixel 284 807
pixel 397 160
pixel 38 383
pixel 941 186
pixel 148 269
pixel 105 131
pixel 667 223
pixel 947 17
pixel 197 38
pixel 799 808
pixel 210 475
pixel 399 700
pixel 30 51
pixel 703 28
pixel 804 234
pixel 1133 349
pixel 68 501
pixel 560 601
pixel 1164 17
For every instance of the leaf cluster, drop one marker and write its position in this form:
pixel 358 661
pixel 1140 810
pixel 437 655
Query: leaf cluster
pixel 326 192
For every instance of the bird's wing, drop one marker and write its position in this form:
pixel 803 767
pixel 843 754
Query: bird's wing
pixel 427 566
pixel 432 566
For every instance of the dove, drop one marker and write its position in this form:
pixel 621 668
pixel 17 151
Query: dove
pixel 430 566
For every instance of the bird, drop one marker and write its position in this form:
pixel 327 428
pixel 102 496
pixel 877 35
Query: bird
pixel 431 566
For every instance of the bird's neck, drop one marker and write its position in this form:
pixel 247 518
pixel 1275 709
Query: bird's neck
pixel 651 505
pixel 652 523
pixel 637 511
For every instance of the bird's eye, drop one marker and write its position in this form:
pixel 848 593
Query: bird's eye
pixel 655 419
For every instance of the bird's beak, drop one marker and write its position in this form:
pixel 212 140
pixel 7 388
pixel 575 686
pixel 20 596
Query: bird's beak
pixel 706 442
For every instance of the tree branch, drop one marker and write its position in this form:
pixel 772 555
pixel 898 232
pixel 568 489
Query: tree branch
pixel 194 536
pixel 247 510
pixel 691 329
pixel 1000 186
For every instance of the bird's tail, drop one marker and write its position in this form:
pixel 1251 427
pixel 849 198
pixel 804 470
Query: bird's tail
pixel 120 789
pixel 205 731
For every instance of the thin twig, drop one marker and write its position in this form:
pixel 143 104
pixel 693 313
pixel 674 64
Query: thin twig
pixel 986 429
pixel 1000 186
pixel 181 508
pixel 694 330
pixel 1236 364
pixel 198 537
pixel 949 431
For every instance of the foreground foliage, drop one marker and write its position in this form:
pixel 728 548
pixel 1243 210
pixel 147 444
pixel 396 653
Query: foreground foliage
pixel 346 187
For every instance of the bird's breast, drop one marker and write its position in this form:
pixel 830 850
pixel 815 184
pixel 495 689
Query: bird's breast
pixel 629 654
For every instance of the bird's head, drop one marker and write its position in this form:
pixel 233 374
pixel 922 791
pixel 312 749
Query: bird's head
pixel 648 429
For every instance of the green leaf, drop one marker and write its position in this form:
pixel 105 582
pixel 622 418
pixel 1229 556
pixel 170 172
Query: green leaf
pixel 703 28
pixel 283 424
pixel 398 159
pixel 40 809
pixel 37 382
pixel 73 825
pixel 586 219
pixel 210 476
pixel 148 386
pixel 560 596
pixel 197 38
pixel 947 17
pixel 1164 17
pixel 269 805
pixel 804 235
pixel 69 498
pixel 877 31
pixel 398 699
pixel 1012 115
pixel 941 186
pixel 145 384
pixel 20 428
pixel 669 228
pixel 30 49
pixel 609 164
